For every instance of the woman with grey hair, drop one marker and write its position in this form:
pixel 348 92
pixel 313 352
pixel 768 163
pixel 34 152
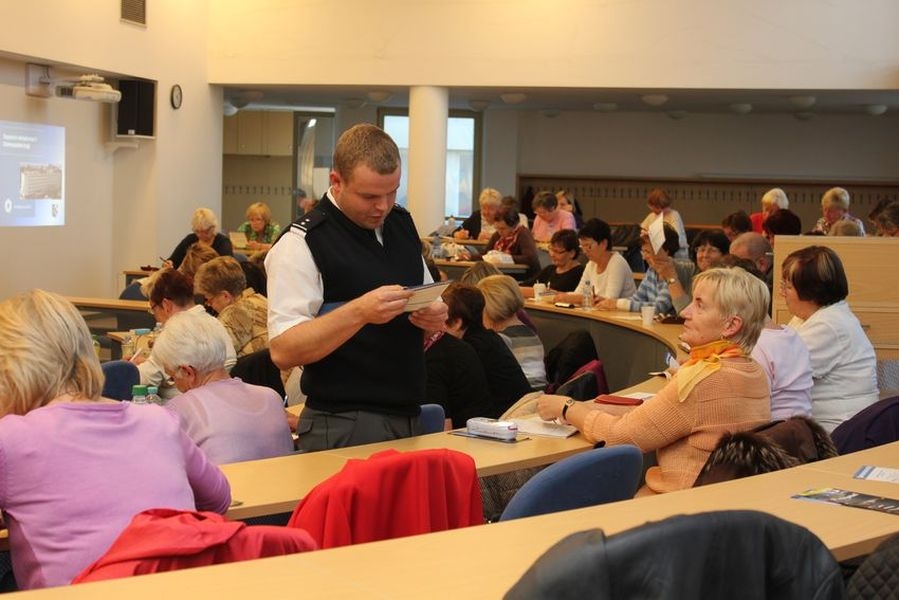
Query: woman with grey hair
pixel 231 421
pixel 835 206
pixel 719 389
pixel 203 225
pixel 774 200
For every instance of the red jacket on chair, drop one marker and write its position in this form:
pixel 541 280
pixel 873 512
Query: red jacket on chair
pixel 392 494
pixel 164 539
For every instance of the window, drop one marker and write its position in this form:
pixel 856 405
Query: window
pixel 463 149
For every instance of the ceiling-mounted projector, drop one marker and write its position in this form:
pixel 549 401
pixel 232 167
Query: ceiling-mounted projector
pixel 89 87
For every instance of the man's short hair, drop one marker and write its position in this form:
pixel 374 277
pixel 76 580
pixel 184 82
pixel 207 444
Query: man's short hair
pixel 365 144
pixel 751 246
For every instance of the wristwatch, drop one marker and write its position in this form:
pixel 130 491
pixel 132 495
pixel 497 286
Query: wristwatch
pixel 671 280
pixel 568 404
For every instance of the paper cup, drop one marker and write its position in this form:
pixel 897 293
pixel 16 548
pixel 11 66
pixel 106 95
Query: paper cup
pixel 648 313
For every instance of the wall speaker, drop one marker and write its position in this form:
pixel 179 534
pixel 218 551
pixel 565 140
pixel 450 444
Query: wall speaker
pixel 136 115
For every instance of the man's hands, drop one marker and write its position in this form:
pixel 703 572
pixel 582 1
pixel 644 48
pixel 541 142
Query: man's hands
pixel 432 317
pixel 382 304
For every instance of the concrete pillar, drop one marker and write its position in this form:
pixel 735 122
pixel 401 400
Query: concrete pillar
pixel 428 113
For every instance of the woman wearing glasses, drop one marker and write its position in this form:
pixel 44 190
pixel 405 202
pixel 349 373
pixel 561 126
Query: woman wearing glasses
pixel 565 271
pixel 608 272
pixel 204 226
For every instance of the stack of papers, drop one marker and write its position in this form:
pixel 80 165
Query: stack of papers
pixel 537 426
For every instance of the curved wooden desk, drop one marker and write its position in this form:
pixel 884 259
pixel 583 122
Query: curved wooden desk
pixel 629 351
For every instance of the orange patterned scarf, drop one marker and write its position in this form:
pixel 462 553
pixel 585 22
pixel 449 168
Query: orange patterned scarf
pixel 704 360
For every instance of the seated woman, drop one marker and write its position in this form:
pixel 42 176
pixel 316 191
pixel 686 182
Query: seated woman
pixel 455 379
pixel 241 310
pixel 783 355
pixel 774 200
pixel 653 290
pixel 736 224
pixel 835 208
pixel 548 218
pixel 170 293
pixel 844 366
pixel 720 389
pixel 503 300
pixel 506 382
pixel 565 271
pixel 659 203
pixel 512 238
pixel 709 246
pixel 567 202
pixel 607 272
pixel 479 225
pixel 231 421
pixel 74 467
pixel 197 254
pixel 204 225
pixel 259 228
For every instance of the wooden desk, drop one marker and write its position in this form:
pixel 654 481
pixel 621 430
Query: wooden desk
pixel 628 350
pixel 484 562
pixel 455 268
pixel 132 275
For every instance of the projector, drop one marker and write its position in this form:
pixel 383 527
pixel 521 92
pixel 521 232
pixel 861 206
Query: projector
pixel 95 92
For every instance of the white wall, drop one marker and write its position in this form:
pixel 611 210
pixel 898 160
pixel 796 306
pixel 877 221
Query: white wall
pixel 127 208
pixel 559 43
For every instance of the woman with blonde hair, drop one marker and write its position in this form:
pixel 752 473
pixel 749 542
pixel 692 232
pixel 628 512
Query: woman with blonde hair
pixel 719 389
pixel 835 208
pixel 75 467
pixel 204 227
pixel 502 301
pixel 196 255
pixel 774 200
pixel 479 225
pixel 259 228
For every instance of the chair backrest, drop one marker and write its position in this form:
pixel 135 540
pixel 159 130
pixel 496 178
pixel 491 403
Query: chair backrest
pixel 392 494
pixel 874 426
pixel 432 418
pixel 165 539
pixel 595 477
pixel 724 554
pixel 132 292
pixel 119 377
pixel 587 382
pixel 257 368
pixel 877 576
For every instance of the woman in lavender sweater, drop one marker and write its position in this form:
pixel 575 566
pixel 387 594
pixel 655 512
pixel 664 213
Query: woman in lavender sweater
pixel 75 467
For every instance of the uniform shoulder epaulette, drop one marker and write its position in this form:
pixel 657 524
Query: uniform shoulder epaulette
pixel 310 220
pixel 400 209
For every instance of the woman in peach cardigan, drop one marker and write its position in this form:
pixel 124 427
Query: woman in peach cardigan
pixel 719 389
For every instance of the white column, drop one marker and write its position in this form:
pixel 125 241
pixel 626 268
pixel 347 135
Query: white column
pixel 428 112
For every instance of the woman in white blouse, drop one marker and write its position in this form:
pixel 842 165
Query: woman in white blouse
pixel 608 272
pixel 844 366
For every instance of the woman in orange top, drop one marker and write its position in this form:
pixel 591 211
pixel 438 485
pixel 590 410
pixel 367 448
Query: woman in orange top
pixel 719 389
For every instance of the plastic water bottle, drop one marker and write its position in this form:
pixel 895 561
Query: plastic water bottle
pixel 587 291
pixel 153 395
pixel 139 394
pixel 127 347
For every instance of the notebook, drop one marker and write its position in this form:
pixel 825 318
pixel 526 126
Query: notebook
pixel 238 239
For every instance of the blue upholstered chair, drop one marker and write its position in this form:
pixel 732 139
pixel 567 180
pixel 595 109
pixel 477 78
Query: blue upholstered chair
pixel 119 376
pixel 432 418
pixel 595 477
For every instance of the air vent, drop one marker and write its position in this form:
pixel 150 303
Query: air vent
pixel 134 11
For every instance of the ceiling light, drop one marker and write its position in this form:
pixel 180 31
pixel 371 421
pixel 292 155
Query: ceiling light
pixel 654 99
pixel 677 115
pixel 513 97
pixel 741 108
pixel 803 101
pixel 242 99
pixel 875 110
pixel 804 115
pixel 229 110
pixel 551 113
pixel 605 106
pixel 378 95
pixel 354 103
pixel 478 105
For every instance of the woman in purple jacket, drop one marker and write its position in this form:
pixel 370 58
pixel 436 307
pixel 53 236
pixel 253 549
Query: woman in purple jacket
pixel 75 467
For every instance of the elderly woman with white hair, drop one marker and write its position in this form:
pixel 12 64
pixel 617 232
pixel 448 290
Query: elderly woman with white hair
pixel 835 208
pixel 719 389
pixel 76 467
pixel 479 225
pixel 230 420
pixel 774 200
pixel 203 225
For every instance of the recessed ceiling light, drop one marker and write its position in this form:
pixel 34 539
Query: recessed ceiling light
pixel 654 99
pixel 875 110
pixel 478 104
pixel 803 101
pixel 677 115
pixel 378 95
pixel 551 113
pixel 513 97
pixel 605 106
pixel 354 102
pixel 741 108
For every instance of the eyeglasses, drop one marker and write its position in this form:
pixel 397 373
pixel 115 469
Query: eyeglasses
pixel 152 309
pixel 586 247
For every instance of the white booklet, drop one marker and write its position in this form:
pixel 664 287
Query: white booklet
pixel 425 294
pixel 537 426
